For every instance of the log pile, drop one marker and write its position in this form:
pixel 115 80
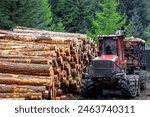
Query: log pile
pixel 134 50
pixel 39 64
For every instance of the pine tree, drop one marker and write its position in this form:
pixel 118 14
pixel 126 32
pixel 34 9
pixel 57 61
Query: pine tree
pixel 147 32
pixel 58 27
pixel 147 28
pixel 76 15
pixel 108 20
pixel 136 27
pixel 138 13
pixel 57 8
pixel 31 13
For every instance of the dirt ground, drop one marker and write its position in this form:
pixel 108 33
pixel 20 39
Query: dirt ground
pixel 116 95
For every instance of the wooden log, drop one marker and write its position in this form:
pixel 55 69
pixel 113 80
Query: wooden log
pixel 60 60
pixel 24 68
pixel 67 67
pixel 21 89
pixel 25 81
pixel 57 98
pixel 32 30
pixel 28 37
pixel 52 92
pixel 59 92
pixel 12 98
pixel 24 60
pixel 24 89
pixel 25 57
pixel 78 90
pixel 135 62
pixel 74 73
pixel 133 40
pixel 24 47
pixel 67 58
pixel 26 76
pixel 65 83
pixel 29 46
pixel 72 64
pixel 27 96
pixel 63 97
pixel 29 53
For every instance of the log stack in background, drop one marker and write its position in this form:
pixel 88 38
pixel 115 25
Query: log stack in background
pixel 39 64
pixel 134 50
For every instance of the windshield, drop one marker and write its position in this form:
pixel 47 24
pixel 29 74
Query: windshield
pixel 108 47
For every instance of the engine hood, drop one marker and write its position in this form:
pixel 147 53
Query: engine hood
pixel 107 57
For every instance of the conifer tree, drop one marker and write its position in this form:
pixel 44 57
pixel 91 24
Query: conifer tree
pixel 75 15
pixel 138 16
pixel 58 26
pixel 31 13
pixel 107 20
pixel 135 26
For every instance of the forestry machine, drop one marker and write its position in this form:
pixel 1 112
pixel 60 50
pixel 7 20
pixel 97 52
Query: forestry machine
pixel 118 66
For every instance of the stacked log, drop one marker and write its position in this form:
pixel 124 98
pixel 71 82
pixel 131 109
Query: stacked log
pixel 39 64
pixel 134 50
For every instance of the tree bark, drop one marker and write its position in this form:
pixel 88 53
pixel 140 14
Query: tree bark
pixel 23 60
pixel 21 89
pixel 26 81
pixel 25 57
pixel 43 32
pixel 28 37
pixel 24 68
pixel 29 53
pixel 27 96
pixel 12 98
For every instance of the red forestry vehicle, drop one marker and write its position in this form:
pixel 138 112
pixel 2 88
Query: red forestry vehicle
pixel 117 66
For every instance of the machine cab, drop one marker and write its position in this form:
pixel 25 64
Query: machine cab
pixel 112 45
pixel 107 45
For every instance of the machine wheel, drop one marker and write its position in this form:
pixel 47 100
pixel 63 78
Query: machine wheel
pixel 142 82
pixel 88 88
pixel 130 86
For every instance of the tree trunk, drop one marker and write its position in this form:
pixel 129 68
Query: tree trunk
pixel 24 89
pixel 21 60
pixel 27 96
pixel 43 32
pixel 27 37
pixel 29 53
pixel 21 89
pixel 12 98
pixel 28 80
pixel 24 68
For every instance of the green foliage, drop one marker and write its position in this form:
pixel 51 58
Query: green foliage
pixel 47 15
pixel 138 13
pixel 136 27
pixel 147 32
pixel 148 42
pixel 31 13
pixel 57 8
pixel 58 27
pixel 93 17
pixel 76 15
pixel 107 20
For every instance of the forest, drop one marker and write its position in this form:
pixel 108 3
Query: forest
pixel 92 17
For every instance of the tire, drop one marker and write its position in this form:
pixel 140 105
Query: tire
pixel 142 82
pixel 130 87
pixel 88 88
